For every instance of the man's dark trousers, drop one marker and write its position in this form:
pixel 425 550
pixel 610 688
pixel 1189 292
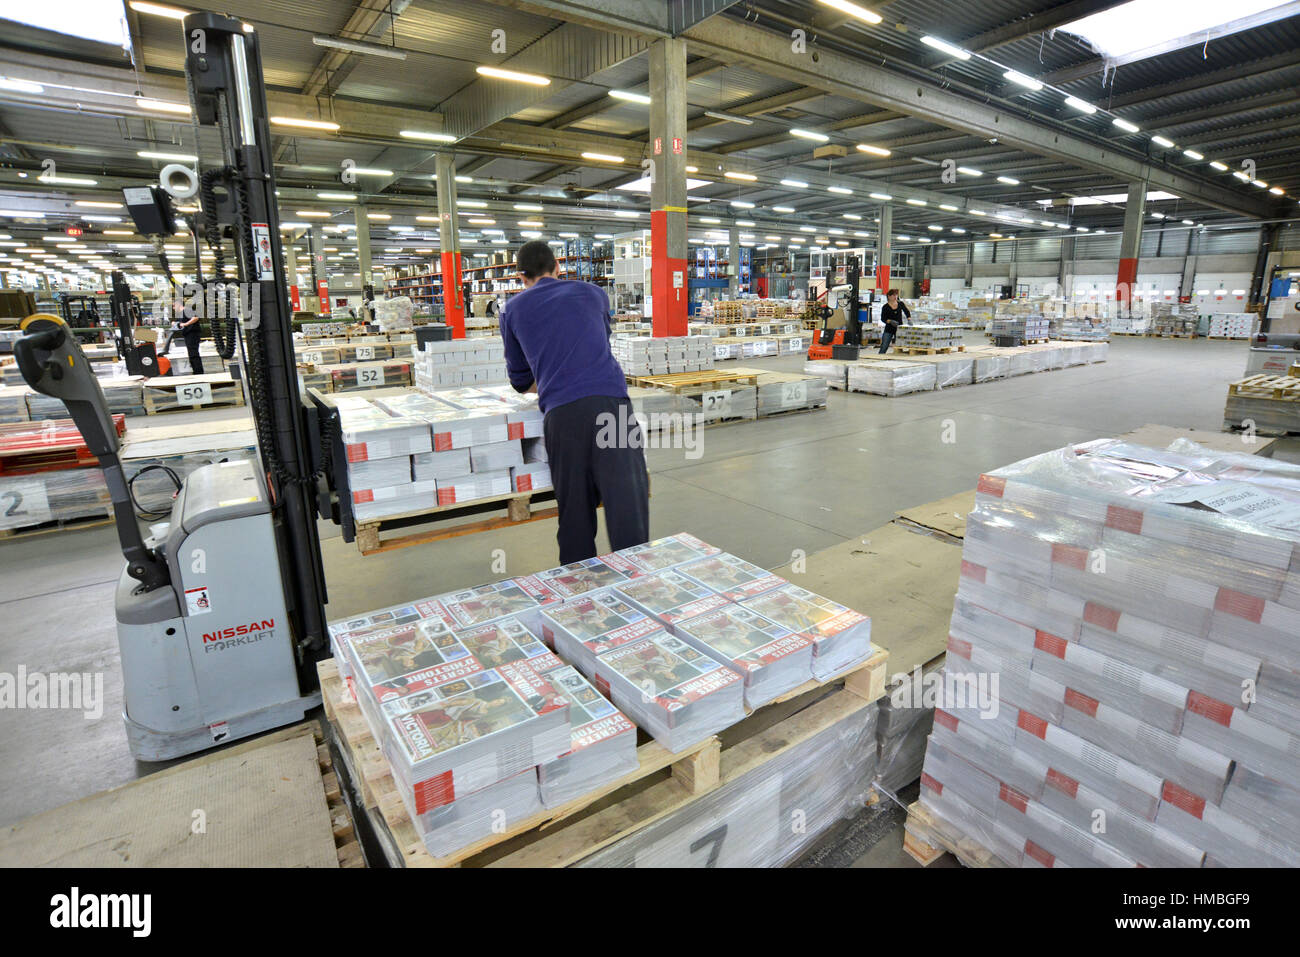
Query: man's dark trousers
pixel 192 338
pixel 595 451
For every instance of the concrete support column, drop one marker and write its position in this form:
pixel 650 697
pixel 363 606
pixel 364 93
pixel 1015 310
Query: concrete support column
pixel 365 265
pixel 1012 275
pixel 668 187
pixel 733 262
pixel 1130 246
pixel 453 292
pixel 1065 276
pixel 884 248
pixel 1186 285
pixel 970 265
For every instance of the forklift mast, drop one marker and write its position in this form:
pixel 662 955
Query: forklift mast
pixel 223 69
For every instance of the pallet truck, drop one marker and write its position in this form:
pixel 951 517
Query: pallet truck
pixel 848 299
pixel 220 615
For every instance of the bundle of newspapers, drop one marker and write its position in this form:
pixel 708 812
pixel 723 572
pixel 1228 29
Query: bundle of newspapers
pixel 1124 644
pixel 539 682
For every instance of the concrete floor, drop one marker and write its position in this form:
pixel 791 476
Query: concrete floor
pixel 761 490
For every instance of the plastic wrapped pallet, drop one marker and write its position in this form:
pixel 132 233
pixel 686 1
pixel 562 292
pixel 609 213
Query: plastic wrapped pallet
pixel 59 496
pixel 394 314
pixel 781 392
pixel 834 371
pixel 903 726
pixel 747 822
pixel 725 402
pixel 990 365
pixel 1126 596
pixel 954 370
pixel 887 377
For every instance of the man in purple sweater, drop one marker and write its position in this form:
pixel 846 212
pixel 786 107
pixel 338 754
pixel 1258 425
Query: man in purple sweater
pixel 556 335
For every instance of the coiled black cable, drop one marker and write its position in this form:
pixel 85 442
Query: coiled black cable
pixel 149 514
pixel 223 339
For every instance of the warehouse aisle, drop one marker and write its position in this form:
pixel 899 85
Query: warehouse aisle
pixel 762 490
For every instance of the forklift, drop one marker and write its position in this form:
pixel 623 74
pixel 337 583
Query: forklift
pixel 844 298
pixel 220 612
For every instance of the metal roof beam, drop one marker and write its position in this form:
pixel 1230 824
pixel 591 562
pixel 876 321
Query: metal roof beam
pixel 1204 81
pixel 1041 22
pixel 871 83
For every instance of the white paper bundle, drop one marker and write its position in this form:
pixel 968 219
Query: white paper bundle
pixel 373 503
pixel 450 464
pixel 448 828
pixel 770 659
pixel 841 637
pixel 495 456
pixel 465 428
pixel 386 437
pixel 530 477
pixel 469 488
pixel 675 692
pixel 887 377
pixel 380 473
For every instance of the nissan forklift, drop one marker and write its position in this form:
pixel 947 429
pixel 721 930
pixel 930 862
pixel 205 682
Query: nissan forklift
pixel 844 298
pixel 220 612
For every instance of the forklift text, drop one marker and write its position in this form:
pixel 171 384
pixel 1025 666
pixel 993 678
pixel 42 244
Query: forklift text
pixel 237 635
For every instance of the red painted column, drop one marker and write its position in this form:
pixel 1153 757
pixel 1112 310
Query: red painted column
pixel 667 278
pixel 1125 282
pixel 882 278
pixel 453 294
pixel 1130 247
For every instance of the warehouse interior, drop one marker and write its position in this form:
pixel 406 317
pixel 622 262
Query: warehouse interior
pixel 1101 194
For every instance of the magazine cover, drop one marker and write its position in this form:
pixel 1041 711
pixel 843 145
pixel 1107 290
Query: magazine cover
pixel 501 642
pixel 670 596
pixel 731 577
pixel 578 578
pixel 592 717
pixel 805 612
pixel 596 624
pixel 746 641
pixel 662 553
pixel 393 615
pixel 664 671
pixel 485 603
pixel 382 653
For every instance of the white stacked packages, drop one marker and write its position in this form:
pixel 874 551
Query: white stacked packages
pixel 1139 611
pixel 779 392
pixel 677 693
pixel 440 466
pixel 524 418
pixel 602 741
pixel 477 485
pixel 840 636
pixel 906 718
pixel 1232 325
pixel 584 628
pixel 887 377
pixel 771 659
pixel 495 456
pixel 1023 327
pixel 927 336
pixel 834 371
pixel 379 449
pixel 953 369
pixel 644 355
pixel 530 477
pixel 460 362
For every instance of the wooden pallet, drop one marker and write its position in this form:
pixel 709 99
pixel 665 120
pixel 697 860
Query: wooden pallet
pixel 664 782
pixel 678 381
pixel 1283 388
pixel 926 839
pixel 58 525
pixel 1229 338
pixel 345 836
pixel 164 393
pixel 915 351
pixel 518 510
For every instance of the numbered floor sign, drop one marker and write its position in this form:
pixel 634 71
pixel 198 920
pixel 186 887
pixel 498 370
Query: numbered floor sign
pixel 372 376
pixel 365 353
pixel 311 358
pixel 794 394
pixel 23 502
pixel 716 404
pixel 194 393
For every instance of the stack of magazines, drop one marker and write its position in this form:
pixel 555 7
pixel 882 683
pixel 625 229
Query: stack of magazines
pixel 841 637
pixel 771 659
pixel 581 629
pixel 676 692
pixel 732 577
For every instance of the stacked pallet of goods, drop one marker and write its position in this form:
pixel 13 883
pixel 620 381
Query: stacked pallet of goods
pixel 526 693
pixel 49 478
pixel 928 338
pixel 1232 325
pixel 1178 320
pixel 644 355
pixel 1124 640
pixel 1269 404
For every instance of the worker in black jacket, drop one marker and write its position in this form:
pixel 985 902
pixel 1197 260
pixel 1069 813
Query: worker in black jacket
pixel 891 314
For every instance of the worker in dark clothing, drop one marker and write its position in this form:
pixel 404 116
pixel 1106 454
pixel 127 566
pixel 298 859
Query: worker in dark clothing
pixel 190 331
pixel 556 336
pixel 891 314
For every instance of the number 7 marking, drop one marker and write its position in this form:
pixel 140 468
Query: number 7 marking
pixel 715 838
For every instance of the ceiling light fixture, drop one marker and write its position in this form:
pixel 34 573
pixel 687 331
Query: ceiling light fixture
pixel 497 73
pixel 162 106
pixel 302 123
pixel 1193 155
pixel 729 117
pixel 794 183
pixel 853 10
pixel 1083 106
pixel 603 157
pixel 1221 167
pixel 1125 125
pixel 841 190
pixel 944 46
pixel 873 150
pixel 1161 141
pixel 1008 180
pixel 747 177
pixel 425 135
pixel 630 97
pixel 810 135
pixel 1018 78
pixel 359 46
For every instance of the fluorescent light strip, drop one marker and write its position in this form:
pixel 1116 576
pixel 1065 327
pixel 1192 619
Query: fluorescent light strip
pixel 305 124
pixel 810 135
pixel 884 197
pixel 359 46
pixel 969 171
pixel 1161 141
pixel 171 157
pixel 602 157
pixel 1028 82
pixel 794 183
pixel 841 190
pixel 783 209
pixel 630 97
pixel 1193 155
pixel 946 47
pixel 423 135
pixel 729 117
pixel 747 177
pixel 162 106
pixel 1125 125
pixel 917 202
pixel 497 73
pixel 1221 167
pixel 873 150
pixel 336 195
pixel 853 10
pixel 1009 180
